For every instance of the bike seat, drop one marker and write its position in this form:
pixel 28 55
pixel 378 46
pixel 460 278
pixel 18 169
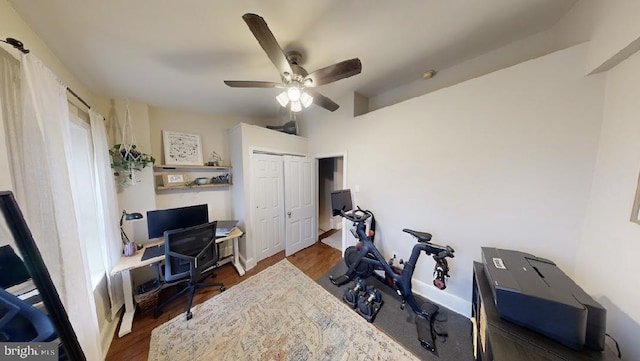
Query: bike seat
pixel 421 236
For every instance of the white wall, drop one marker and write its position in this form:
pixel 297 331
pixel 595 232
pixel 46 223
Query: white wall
pixel 607 257
pixel 503 160
pixel 213 131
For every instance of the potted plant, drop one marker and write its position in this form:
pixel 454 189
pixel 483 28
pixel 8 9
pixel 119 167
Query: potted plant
pixel 126 162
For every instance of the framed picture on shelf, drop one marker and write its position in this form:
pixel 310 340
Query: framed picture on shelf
pixel 181 148
pixel 173 179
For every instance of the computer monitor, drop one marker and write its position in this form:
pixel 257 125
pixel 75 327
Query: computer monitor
pixel 341 201
pixel 162 220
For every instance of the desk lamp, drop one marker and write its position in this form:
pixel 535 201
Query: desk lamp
pixel 128 217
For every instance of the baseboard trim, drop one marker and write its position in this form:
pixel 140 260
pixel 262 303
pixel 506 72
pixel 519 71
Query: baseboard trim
pixel 247 264
pixel 448 300
pixel 107 333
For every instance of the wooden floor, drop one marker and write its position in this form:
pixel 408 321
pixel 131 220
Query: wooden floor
pixel 313 261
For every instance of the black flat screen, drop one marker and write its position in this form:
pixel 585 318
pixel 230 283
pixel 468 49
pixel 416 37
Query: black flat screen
pixel 341 201
pixel 163 220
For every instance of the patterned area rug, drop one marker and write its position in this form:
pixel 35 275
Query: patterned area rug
pixel 278 314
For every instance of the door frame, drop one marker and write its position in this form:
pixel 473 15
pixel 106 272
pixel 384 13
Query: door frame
pixel 345 178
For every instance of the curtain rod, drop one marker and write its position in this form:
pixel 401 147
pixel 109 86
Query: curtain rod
pixel 20 46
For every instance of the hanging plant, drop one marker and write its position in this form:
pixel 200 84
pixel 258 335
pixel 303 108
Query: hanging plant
pixel 126 162
pixel 126 159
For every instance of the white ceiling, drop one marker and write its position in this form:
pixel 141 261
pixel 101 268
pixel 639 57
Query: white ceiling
pixel 176 54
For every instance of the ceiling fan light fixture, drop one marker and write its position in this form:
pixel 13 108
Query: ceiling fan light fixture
pixel 296 106
pixel 293 93
pixel 306 99
pixel 283 98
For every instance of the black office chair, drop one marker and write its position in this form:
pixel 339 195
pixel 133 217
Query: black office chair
pixel 190 253
pixel 21 322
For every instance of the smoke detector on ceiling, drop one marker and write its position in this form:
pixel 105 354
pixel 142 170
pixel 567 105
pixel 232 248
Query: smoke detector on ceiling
pixel 428 74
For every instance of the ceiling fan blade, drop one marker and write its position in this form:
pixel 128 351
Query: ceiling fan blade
pixel 322 101
pixel 331 73
pixel 252 84
pixel 269 44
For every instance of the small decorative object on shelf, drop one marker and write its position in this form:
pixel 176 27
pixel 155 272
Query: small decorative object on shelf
pixel 214 159
pixel 201 180
pixel 173 179
pixel 221 179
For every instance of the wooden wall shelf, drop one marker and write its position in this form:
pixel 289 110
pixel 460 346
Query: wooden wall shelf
pixel 194 187
pixel 165 168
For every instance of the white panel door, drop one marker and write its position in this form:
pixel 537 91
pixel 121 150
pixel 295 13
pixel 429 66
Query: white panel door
pixel 268 204
pixel 301 228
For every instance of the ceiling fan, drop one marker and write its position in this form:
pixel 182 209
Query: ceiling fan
pixel 297 83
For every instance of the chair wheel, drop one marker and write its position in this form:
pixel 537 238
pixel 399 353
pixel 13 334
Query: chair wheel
pixel 156 313
pixel 189 315
pixel 222 289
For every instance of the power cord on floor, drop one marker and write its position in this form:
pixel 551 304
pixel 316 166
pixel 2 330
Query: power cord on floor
pixel 617 346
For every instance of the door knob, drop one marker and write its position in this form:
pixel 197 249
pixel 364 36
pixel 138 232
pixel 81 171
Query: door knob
pixel 289 214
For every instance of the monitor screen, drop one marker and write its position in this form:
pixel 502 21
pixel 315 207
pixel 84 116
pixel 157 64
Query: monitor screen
pixel 175 218
pixel 341 201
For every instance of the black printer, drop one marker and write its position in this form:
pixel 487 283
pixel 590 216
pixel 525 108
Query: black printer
pixel 534 293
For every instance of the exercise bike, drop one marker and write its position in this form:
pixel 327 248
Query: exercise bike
pixel 364 258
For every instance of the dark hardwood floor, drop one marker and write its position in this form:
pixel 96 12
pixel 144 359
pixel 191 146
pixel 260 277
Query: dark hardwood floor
pixel 313 261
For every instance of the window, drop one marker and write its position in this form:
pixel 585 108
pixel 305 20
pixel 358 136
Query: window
pixel 82 181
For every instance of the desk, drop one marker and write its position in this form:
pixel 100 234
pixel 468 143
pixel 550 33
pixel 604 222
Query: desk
pixel 126 264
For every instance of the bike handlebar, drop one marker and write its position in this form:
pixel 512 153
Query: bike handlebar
pixel 448 252
pixel 357 215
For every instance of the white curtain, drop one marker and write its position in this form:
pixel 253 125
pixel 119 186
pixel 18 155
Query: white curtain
pixel 10 104
pixel 40 157
pixel 107 208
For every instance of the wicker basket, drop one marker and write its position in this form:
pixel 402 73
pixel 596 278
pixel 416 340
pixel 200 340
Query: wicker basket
pixel 148 300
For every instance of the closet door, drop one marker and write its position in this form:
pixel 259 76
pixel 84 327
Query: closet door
pixel 300 203
pixel 268 204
